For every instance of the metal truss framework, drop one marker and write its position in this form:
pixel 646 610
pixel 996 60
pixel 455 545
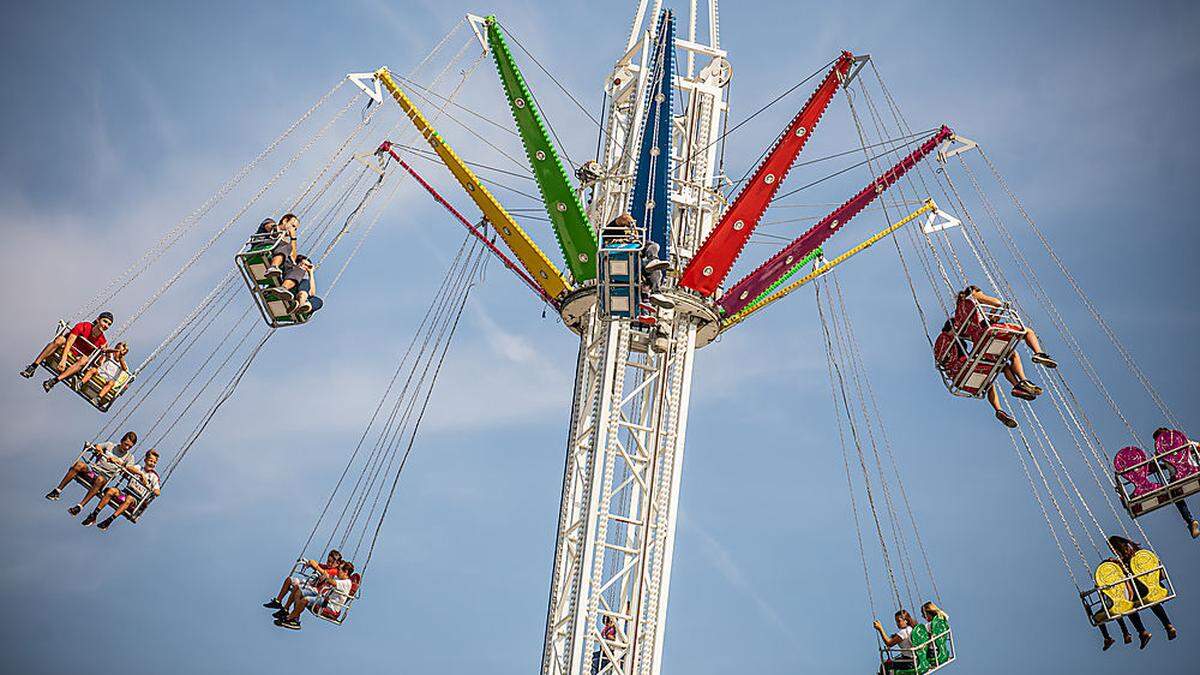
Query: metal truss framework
pixel 616 529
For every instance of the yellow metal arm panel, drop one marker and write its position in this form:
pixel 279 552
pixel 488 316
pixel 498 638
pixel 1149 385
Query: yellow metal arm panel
pixel 532 258
pixel 785 291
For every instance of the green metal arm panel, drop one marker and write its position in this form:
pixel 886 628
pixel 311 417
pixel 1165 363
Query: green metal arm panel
pixel 575 235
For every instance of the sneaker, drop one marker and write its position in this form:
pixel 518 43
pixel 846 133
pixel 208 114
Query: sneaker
pixel 280 614
pixel 272 604
pixel 280 293
pixel 1144 637
pixel 1030 387
pixel 54 494
pixel 656 266
pixel 1108 642
pixel 74 510
pixel 1196 529
pixel 104 524
pixel 1044 359
pixel 29 371
pixel 290 625
pixel 49 384
pixel 91 518
pixel 662 301
pixel 303 308
pixel 1006 420
pixel 1128 638
pixel 1171 632
pixel 1023 393
pixel 273 272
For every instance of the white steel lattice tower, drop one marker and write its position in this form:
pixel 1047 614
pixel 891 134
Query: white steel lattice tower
pixel 616 529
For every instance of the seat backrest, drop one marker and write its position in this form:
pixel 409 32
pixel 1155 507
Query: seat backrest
pixel 1114 590
pixel 1139 477
pixel 1178 454
pixel 1147 572
pixel 920 640
pixel 945 351
pixel 939 628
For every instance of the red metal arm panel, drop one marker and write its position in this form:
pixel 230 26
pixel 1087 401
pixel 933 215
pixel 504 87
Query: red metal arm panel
pixel 387 147
pixel 716 256
pixel 749 288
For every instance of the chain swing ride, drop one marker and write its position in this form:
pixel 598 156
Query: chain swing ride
pixel 649 234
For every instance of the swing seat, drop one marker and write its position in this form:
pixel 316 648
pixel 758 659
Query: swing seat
pixel 943 643
pixel 920 647
pixel 1179 453
pixel 253 261
pixel 1148 571
pixel 1131 465
pixel 1114 588
pixel 1149 483
pixel 620 288
pixel 310 578
pixel 972 375
pixel 339 616
pixel 1119 592
pixel 90 391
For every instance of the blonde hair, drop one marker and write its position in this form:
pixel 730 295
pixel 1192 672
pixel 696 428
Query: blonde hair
pixel 930 608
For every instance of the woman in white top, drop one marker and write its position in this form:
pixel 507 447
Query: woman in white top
pixel 901 638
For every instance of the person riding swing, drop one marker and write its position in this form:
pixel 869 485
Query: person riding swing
pixel 83 339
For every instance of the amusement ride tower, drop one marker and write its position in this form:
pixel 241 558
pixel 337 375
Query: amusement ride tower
pixel 620 498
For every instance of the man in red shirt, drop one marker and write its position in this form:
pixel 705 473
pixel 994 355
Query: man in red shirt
pixel 83 339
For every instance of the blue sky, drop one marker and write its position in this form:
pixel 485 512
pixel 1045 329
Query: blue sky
pixel 123 119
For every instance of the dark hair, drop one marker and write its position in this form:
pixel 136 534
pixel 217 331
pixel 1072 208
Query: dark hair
pixel 289 216
pixel 129 436
pixel 104 315
pixel 264 222
pixel 302 258
pixel 907 617
pixel 347 567
pixel 152 453
pixel 1159 431
pixel 947 327
pixel 1118 544
pixel 333 552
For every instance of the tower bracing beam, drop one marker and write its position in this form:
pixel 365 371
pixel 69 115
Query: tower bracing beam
pixel 650 204
pixel 575 234
pixel 774 295
pixel 535 262
pixel 716 256
pixel 752 285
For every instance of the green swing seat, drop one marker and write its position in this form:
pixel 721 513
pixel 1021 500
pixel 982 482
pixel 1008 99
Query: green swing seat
pixel 253 261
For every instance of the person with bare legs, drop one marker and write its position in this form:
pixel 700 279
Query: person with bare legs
pixel 108 459
pixel 332 590
pixel 300 286
pixel 83 338
pixel 972 292
pixel 144 483
pixel 333 560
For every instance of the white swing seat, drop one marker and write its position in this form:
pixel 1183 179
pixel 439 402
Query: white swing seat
pixel 309 578
pixel 90 391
